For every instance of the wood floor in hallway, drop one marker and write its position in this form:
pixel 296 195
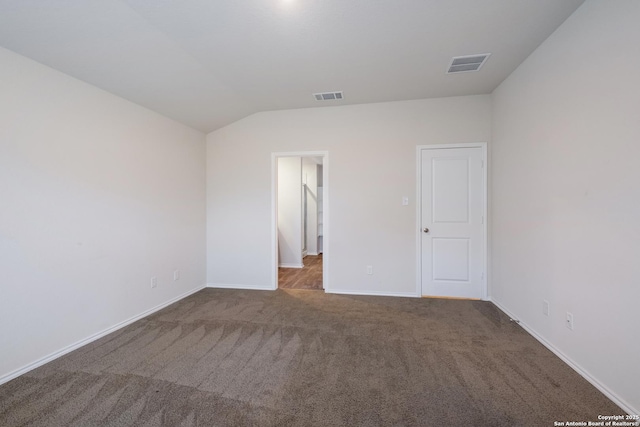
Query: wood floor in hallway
pixel 309 277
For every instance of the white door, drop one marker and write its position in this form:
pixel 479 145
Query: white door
pixel 452 222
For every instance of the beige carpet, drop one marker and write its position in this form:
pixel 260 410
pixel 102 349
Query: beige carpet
pixel 306 358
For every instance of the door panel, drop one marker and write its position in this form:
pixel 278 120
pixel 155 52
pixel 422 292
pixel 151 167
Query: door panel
pixel 450 190
pixel 452 212
pixel 450 259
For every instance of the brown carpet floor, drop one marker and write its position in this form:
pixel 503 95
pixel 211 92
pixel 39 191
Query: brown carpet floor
pixel 294 357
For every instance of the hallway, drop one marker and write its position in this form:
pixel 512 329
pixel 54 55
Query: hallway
pixel 309 277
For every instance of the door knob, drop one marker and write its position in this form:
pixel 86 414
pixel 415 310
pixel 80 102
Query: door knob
pixel 426 230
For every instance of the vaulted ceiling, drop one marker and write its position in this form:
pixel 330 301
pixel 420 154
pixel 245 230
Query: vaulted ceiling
pixel 207 63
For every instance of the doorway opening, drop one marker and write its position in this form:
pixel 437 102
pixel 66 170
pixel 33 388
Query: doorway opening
pixel 300 220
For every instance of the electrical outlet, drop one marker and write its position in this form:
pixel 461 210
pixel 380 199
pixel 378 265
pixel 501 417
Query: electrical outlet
pixel 176 275
pixel 369 269
pixel 154 282
pixel 545 307
pixel 569 321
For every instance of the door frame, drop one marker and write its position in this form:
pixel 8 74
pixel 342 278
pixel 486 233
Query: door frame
pixel 325 212
pixel 485 167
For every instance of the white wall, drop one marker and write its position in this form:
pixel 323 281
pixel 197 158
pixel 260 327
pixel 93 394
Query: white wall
pixel 97 195
pixel 372 158
pixel 290 212
pixel 566 193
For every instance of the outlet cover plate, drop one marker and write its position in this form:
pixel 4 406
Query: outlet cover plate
pixel 569 321
pixel 545 307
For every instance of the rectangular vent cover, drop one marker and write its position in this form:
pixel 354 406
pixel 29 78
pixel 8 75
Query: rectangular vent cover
pixel 460 64
pixel 328 96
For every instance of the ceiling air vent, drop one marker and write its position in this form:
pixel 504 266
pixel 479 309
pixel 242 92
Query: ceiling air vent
pixel 461 64
pixel 327 96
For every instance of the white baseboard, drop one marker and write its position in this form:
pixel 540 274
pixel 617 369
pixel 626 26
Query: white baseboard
pixel 373 293
pixel 291 265
pixel 575 366
pixel 312 253
pixel 304 253
pixel 33 365
pixel 239 286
